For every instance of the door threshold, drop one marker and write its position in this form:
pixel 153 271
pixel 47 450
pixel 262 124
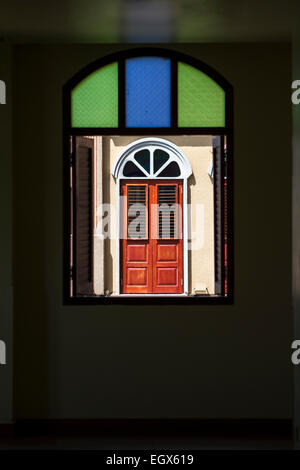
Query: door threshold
pixel 149 295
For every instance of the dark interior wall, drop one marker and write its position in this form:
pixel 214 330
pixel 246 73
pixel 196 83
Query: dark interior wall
pixel 127 361
pixel 6 245
pixel 296 231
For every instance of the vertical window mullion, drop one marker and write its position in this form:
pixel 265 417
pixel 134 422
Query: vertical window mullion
pixel 122 93
pixel 174 93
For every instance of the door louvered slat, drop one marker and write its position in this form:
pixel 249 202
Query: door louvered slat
pixel 137 212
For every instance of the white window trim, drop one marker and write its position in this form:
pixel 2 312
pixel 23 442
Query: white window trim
pixel 185 168
pixel 152 144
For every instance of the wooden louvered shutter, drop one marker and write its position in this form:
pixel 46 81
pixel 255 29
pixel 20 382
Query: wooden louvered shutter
pixel 218 178
pixel 83 216
pixel 137 207
pixel 167 212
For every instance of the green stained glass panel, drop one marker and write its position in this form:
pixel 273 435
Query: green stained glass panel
pixel 95 99
pixel 201 101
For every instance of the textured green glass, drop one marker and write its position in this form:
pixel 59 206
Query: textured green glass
pixel 201 101
pixel 95 99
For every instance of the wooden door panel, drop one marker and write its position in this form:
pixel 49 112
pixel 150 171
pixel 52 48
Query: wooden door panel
pixel 167 252
pixel 167 277
pixel 137 277
pixel 137 253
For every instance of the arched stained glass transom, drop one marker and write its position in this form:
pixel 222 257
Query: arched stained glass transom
pixel 148 88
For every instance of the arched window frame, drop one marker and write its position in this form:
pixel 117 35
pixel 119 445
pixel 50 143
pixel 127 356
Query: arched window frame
pixel 225 132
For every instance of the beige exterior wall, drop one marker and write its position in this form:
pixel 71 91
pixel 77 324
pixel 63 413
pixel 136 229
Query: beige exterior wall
pixel 98 264
pixel 99 267
pixel 198 150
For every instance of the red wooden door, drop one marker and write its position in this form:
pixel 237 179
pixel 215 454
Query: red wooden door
pixel 152 244
pixel 136 243
pixel 167 237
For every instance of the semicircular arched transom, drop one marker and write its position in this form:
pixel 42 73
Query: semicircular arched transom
pixel 151 162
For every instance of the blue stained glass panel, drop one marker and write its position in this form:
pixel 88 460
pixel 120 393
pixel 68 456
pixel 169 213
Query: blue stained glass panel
pixel 148 92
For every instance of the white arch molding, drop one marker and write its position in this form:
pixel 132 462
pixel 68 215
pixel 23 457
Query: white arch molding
pixel 175 154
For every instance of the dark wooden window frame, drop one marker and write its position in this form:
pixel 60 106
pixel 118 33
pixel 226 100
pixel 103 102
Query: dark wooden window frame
pixel 226 132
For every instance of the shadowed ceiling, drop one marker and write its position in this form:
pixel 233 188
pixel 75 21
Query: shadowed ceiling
pixel 134 21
